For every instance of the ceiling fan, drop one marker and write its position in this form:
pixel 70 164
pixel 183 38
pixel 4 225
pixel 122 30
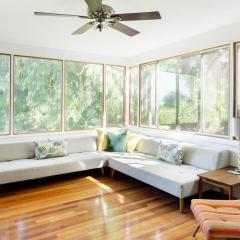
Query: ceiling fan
pixel 105 16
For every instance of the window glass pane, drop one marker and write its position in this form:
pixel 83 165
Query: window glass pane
pixel 148 82
pixel 83 95
pixel 238 81
pixel 115 81
pixel 37 95
pixel 133 94
pixel 216 80
pixel 4 93
pixel 167 77
pixel 189 93
pixel 178 89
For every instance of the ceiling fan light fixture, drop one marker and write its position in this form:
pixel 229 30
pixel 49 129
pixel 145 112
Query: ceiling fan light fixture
pixel 100 26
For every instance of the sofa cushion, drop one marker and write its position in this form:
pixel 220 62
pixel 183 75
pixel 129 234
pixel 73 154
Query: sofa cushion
pixel 170 152
pixel 102 139
pixel 15 151
pixel 82 144
pixel 132 141
pixel 148 145
pixel 180 181
pixel 50 149
pixel 24 169
pixel 25 150
pixel 205 158
pixel 116 142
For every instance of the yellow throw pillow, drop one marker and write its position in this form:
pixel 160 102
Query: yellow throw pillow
pixel 132 141
pixel 102 139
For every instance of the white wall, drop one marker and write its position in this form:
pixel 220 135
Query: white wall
pixel 18 49
pixel 221 36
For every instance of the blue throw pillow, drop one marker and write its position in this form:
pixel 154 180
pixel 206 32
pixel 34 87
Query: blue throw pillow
pixel 117 142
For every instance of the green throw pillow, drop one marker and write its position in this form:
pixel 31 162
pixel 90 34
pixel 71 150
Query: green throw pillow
pixel 116 142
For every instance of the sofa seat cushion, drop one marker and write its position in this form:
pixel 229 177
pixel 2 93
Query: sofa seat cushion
pixel 24 169
pixel 180 181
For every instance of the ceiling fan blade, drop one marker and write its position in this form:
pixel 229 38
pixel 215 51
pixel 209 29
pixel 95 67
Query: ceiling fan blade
pixel 94 5
pixel 124 29
pixel 84 28
pixel 138 16
pixel 58 15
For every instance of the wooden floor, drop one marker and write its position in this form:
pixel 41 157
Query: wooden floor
pixel 90 206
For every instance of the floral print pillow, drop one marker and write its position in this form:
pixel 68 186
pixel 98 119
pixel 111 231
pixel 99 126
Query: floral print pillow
pixel 170 152
pixel 50 149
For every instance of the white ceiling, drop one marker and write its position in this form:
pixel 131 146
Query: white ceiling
pixel 180 19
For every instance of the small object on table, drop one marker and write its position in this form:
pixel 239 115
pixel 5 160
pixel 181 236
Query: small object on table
pixel 235 172
pixel 220 178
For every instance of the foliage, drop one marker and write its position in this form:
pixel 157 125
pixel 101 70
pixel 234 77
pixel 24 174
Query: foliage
pixel 147 101
pixel 115 77
pixel 133 96
pixel 83 95
pixel 37 95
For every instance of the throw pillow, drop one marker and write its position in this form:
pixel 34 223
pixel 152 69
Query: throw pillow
pixel 50 149
pixel 116 142
pixel 132 141
pixel 102 140
pixel 170 152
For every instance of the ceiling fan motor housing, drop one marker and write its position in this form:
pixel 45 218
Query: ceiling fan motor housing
pixel 105 14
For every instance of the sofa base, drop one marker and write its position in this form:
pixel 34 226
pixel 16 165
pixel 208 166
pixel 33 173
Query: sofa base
pixel 181 200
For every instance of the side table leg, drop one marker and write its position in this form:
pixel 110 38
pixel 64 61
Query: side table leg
pixel 222 192
pixel 230 193
pixel 200 188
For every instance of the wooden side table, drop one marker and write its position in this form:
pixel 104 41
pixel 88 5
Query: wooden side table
pixel 221 179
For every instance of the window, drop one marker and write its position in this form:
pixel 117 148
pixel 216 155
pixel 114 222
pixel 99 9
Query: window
pixel 189 118
pixel 148 96
pixel 115 83
pixel 238 81
pixel 167 77
pixel 192 93
pixel 178 93
pixel 4 94
pixel 37 95
pixel 83 95
pixel 216 92
pixel 133 94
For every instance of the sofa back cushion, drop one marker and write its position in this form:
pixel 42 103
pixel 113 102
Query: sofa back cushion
pixel 205 158
pixel 148 145
pixel 26 150
pixel 82 144
pixel 14 151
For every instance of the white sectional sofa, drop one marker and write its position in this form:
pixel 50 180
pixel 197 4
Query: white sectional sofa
pixel 17 163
